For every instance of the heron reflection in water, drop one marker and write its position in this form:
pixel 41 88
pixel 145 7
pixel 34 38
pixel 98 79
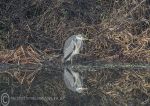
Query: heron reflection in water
pixel 73 80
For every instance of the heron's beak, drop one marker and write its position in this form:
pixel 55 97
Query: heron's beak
pixel 88 39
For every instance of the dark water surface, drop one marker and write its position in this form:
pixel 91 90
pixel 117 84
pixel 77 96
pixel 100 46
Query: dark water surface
pixel 75 85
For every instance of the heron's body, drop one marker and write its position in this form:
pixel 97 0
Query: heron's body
pixel 72 46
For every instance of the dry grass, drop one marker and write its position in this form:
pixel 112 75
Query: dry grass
pixel 124 87
pixel 119 29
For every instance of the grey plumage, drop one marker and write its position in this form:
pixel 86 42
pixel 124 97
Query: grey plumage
pixel 72 46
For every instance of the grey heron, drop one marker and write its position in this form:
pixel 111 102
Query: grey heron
pixel 72 46
pixel 73 80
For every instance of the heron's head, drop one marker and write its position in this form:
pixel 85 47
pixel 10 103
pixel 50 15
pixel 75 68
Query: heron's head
pixel 80 37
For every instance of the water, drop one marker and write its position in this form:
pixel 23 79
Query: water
pixel 78 84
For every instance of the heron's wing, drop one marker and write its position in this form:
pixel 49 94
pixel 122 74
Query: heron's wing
pixel 69 50
pixel 68 41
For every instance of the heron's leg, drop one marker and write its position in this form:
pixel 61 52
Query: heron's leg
pixel 71 61
pixel 76 58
